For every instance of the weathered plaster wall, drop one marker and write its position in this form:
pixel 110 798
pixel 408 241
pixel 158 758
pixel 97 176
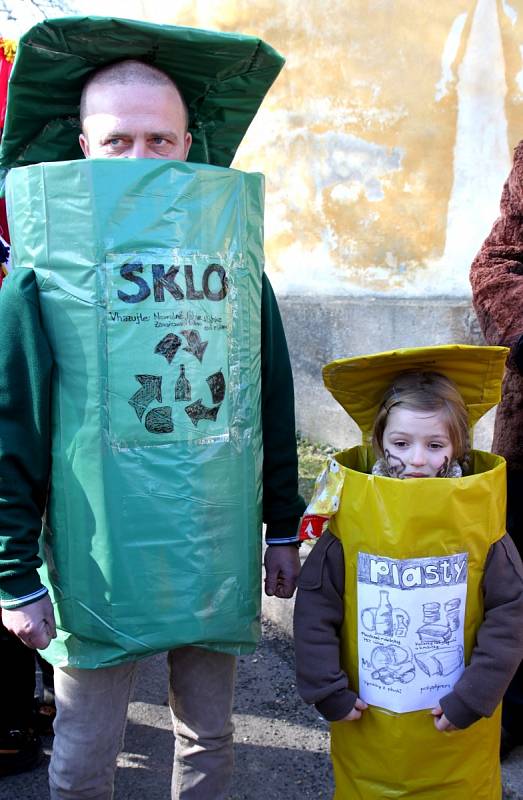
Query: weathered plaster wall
pixel 385 143
pixel 338 327
pixel 386 139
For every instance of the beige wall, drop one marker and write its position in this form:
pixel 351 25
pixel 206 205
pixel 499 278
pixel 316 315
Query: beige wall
pixel 385 143
pixel 386 139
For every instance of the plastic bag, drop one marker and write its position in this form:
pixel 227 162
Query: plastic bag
pixel 149 276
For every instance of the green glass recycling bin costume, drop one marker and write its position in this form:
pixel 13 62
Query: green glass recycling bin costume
pixel 153 513
pixel 149 277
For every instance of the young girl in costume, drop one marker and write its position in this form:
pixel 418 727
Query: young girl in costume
pixel 409 607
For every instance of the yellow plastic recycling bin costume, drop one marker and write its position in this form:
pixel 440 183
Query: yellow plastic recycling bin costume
pixel 401 526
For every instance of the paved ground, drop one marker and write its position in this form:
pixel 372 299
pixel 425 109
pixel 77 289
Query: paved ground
pixel 281 745
pixel 513 775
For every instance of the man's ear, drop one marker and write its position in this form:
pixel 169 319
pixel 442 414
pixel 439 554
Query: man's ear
pixel 84 144
pixel 188 142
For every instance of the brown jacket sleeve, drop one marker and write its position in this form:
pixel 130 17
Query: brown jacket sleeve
pixel 496 277
pixel 499 645
pixel 318 616
pixel 496 274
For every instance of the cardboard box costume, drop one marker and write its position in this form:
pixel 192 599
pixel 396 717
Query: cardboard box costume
pixel 149 278
pixel 414 555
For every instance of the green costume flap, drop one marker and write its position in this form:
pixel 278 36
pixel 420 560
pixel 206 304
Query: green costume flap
pixel 223 78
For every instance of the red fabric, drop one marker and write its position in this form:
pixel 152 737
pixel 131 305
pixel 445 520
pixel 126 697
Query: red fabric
pixel 5 71
pixel 311 526
pixel 4 232
pixel 4 228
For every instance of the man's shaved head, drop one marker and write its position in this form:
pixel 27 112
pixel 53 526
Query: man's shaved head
pixel 128 72
pixel 130 109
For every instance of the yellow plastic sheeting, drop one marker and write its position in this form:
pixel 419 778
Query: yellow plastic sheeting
pixel 358 384
pixel 393 755
pixel 411 759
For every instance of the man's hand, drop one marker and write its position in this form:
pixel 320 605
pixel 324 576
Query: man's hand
pixel 440 720
pixel 33 624
pixel 357 711
pixel 282 567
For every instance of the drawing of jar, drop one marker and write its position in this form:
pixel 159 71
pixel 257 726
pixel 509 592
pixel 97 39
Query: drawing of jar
pixel 452 613
pixel 431 613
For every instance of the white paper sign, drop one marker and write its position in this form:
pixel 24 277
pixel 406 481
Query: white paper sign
pixel 410 629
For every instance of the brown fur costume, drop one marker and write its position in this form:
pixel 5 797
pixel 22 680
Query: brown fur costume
pixel 497 285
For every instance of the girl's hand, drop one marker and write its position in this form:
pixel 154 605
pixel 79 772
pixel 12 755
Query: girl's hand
pixel 359 707
pixel 440 720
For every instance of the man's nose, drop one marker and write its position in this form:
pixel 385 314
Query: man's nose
pixel 137 149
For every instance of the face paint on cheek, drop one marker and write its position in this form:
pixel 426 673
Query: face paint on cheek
pixel 395 465
pixel 443 471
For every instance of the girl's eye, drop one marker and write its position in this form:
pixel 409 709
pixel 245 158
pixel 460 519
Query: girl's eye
pixel 400 443
pixel 435 445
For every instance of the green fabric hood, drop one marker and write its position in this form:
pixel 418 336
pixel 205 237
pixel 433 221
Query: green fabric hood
pixel 223 77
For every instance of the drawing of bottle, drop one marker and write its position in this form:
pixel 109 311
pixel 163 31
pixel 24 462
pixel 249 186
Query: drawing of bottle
pixel 182 388
pixel 452 613
pixel 383 618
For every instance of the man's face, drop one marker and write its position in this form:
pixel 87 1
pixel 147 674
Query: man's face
pixel 134 121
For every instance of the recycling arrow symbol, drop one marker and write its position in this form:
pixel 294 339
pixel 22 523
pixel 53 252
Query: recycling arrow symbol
pixel 216 383
pixel 159 419
pixel 151 390
pixel 195 344
pixel 197 411
pixel 169 346
pixel 171 343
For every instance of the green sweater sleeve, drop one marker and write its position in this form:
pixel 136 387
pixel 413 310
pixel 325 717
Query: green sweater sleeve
pixel 282 505
pixel 25 369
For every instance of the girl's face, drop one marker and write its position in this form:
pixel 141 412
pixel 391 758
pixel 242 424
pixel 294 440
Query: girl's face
pixel 416 444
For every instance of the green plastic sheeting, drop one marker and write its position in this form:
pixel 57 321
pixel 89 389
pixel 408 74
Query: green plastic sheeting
pixel 149 276
pixel 223 77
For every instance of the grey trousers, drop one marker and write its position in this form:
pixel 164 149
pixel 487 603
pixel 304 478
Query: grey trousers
pixel 92 712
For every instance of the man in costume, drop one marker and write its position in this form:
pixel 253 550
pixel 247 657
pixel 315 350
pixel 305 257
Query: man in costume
pixel 133 111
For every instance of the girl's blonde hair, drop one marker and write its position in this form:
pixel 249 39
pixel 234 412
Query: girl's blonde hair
pixel 426 391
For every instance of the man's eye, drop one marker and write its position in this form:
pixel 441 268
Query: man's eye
pixel 115 142
pixel 159 140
